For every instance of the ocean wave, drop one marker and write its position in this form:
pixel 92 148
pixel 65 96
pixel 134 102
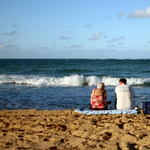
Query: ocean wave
pixel 73 80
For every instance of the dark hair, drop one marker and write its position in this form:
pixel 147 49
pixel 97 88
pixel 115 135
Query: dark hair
pixel 123 80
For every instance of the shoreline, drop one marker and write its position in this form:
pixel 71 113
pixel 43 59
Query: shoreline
pixel 66 129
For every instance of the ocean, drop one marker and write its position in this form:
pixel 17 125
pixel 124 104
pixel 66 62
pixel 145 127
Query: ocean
pixel 56 84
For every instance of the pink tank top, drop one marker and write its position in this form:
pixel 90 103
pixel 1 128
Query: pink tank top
pixel 98 101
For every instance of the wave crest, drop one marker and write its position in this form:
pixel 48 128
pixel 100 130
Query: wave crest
pixel 73 80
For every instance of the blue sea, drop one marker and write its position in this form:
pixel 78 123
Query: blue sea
pixel 56 84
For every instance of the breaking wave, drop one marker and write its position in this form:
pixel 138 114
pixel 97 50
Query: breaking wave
pixel 73 80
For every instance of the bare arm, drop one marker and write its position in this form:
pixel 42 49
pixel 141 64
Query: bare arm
pixel 105 97
pixel 92 94
pixel 115 101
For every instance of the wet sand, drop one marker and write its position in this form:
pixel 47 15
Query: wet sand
pixel 66 129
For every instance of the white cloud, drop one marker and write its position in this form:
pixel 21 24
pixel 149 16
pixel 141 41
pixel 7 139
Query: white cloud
pixel 87 25
pixel 105 36
pixel 111 46
pixel 64 38
pixel 2 46
pixel 116 39
pixel 107 17
pixel 11 33
pixel 121 14
pixel 120 43
pixel 68 31
pixel 71 26
pixel 15 25
pixel 76 46
pixel 140 13
pixel 44 48
pixel 11 47
pixel 95 36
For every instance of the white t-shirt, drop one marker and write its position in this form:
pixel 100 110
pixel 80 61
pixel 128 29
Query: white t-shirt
pixel 124 94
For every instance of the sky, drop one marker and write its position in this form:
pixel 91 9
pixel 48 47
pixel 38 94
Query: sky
pixel 96 29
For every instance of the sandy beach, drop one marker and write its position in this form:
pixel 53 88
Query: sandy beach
pixel 66 129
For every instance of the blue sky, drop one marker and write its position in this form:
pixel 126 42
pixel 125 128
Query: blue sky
pixel 75 29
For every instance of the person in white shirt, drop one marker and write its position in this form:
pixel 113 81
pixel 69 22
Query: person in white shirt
pixel 124 96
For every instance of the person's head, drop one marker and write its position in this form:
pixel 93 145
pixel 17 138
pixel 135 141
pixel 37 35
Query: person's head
pixel 122 81
pixel 100 85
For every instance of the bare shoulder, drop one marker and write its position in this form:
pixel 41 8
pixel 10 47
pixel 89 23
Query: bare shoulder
pixel 93 92
pixel 105 91
pixel 94 89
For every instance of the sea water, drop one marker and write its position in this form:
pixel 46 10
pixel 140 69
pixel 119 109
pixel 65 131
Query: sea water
pixel 56 84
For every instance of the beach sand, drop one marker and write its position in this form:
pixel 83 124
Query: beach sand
pixel 66 129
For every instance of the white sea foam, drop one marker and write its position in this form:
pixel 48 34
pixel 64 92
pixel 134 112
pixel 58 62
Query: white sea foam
pixel 74 80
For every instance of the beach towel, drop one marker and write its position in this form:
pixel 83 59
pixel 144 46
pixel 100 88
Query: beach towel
pixel 89 112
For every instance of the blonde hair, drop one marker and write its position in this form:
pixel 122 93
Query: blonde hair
pixel 100 85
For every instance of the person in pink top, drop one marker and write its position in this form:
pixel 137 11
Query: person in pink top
pixel 98 98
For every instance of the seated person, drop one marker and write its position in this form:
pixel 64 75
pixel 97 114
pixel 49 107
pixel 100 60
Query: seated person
pixel 98 98
pixel 124 95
